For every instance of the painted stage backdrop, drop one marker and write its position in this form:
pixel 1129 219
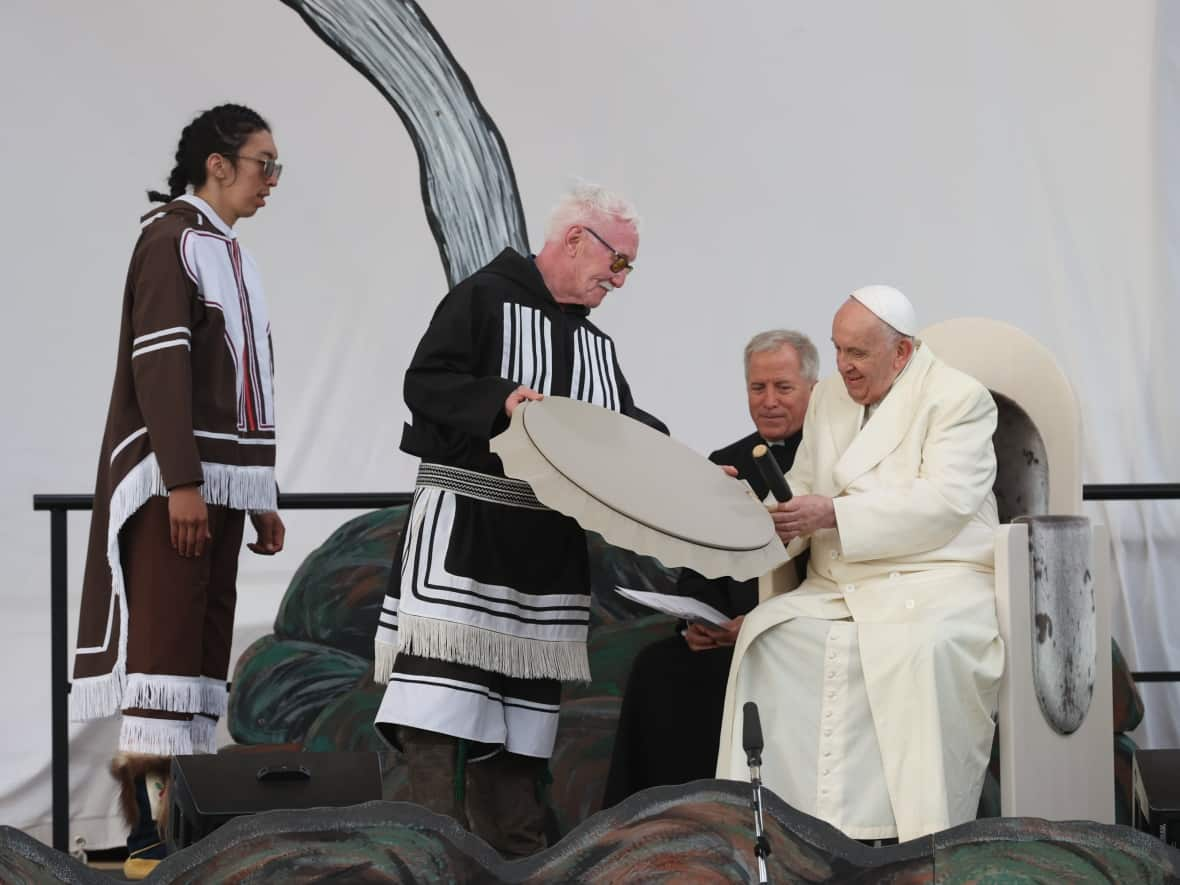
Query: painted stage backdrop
pixel 468 187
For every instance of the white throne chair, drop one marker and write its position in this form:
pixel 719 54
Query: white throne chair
pixel 1043 773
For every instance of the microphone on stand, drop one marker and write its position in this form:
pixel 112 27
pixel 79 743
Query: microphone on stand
pixel 752 744
pixel 752 734
pixel 771 473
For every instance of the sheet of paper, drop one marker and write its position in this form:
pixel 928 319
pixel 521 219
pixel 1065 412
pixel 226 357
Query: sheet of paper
pixel 678 606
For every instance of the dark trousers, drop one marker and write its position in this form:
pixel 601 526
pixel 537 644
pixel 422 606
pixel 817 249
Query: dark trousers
pixel 670 723
pixel 180 611
pixel 498 796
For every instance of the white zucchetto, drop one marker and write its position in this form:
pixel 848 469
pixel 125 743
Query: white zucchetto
pixel 889 305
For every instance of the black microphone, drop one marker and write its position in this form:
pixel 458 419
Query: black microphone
pixel 771 473
pixel 752 734
pixel 752 744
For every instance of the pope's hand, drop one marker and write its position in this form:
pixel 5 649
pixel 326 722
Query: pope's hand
pixel 803 515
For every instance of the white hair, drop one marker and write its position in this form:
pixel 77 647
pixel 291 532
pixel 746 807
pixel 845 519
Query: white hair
pixel 589 203
pixel 772 340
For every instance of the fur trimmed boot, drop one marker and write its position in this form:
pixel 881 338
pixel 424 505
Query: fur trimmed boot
pixel 143 791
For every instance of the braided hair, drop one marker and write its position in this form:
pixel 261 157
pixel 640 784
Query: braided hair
pixel 220 130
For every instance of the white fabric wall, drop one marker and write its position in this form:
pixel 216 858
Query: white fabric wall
pixel 1006 159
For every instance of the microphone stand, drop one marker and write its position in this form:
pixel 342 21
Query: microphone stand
pixel 752 744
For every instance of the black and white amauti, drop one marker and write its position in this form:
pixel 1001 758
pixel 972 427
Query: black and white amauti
pixel 489 607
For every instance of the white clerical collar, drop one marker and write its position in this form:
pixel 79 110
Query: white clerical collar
pixel 214 219
pixel 869 410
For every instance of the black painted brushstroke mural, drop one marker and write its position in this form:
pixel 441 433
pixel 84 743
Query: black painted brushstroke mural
pixel 468 187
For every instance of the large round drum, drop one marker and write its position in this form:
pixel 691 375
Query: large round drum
pixel 638 488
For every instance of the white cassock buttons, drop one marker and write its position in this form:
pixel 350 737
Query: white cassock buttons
pixel 893 576
pixel 909 603
pixel 834 555
pixel 849 588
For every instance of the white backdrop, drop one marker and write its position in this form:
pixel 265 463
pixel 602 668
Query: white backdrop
pixel 1007 159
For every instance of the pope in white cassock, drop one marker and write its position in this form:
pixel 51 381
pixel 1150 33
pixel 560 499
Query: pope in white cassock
pixel 877 678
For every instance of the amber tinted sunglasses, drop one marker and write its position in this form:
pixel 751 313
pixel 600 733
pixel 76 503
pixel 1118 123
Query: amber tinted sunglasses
pixel 619 262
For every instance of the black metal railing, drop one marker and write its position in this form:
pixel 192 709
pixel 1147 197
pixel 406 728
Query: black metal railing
pixel 59 506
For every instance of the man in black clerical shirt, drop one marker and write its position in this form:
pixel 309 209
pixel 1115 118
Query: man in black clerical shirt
pixel 671 717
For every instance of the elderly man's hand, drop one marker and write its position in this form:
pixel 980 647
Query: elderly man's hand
pixel 518 396
pixel 803 515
